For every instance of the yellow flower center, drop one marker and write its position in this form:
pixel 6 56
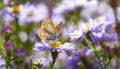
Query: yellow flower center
pixel 55 44
pixel 16 9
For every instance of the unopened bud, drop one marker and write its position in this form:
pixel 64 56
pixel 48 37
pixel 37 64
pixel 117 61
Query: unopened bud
pixel 8 46
pixel 9 29
pixel 109 49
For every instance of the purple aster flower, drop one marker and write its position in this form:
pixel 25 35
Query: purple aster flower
pixel 99 28
pixel 105 33
pixel 86 27
pixel 3 13
pixel 74 60
pixel 54 46
pixel 20 52
pixel 8 18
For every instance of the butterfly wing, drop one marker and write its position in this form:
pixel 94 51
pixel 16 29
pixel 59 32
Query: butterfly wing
pixel 48 25
pixel 58 28
pixel 48 30
pixel 43 35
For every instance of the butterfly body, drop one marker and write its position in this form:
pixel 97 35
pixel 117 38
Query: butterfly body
pixel 48 30
pixel 53 37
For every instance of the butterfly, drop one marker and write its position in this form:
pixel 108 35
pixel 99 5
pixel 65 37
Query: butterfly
pixel 48 30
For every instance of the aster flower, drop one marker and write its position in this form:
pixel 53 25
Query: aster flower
pixel 54 46
pixel 74 60
pixel 79 33
pixel 9 14
pixel 20 52
pixel 98 28
pixel 14 11
pixel 105 33
pixel 5 15
pixel 32 13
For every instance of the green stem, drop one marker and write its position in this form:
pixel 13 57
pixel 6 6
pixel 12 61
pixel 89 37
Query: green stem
pixel 8 58
pixel 8 63
pixel 107 65
pixel 54 56
pixel 52 65
pixel 95 51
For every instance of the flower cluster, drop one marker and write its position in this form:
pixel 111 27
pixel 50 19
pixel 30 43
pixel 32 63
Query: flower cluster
pixel 59 34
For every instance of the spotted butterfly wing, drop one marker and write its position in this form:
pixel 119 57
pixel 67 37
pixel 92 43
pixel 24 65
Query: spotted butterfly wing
pixel 48 25
pixel 48 30
pixel 58 28
pixel 43 35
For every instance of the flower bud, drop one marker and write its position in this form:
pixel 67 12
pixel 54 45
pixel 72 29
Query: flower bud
pixel 109 49
pixel 8 46
pixel 9 29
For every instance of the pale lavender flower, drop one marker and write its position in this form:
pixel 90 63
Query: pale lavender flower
pixel 15 10
pixel 9 14
pixel 32 13
pixel 6 16
pixel 99 28
pixel 54 46
pixel 83 29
